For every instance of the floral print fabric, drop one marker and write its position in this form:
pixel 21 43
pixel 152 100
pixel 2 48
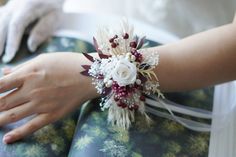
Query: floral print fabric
pixel 86 133
pixel 55 139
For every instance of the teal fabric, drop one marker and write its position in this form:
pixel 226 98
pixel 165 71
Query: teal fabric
pixel 94 137
pixel 85 133
pixel 55 139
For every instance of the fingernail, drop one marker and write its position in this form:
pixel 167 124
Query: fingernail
pixel 7 139
pixel 9 55
pixel 32 46
pixel 7 58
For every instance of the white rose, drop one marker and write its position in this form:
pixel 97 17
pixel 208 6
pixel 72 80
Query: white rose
pixel 124 73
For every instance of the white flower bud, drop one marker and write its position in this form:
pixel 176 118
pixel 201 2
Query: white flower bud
pixel 138 81
pixel 109 83
pixel 105 80
pixel 128 55
pixel 132 58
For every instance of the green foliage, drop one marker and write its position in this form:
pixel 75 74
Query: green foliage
pixel 141 123
pixel 197 145
pixel 65 43
pixel 34 151
pixel 135 154
pixel 119 134
pixel 200 95
pixel 155 138
pixel 171 128
pixel 49 135
pixel 173 147
pixel 46 134
pixel 81 47
pixel 113 149
pixel 69 127
pixel 96 117
pixel 83 142
pixel 97 132
pixel 84 127
pixel 169 155
pixel 58 145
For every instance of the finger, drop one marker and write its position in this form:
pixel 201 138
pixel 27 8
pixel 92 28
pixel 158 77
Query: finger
pixel 16 30
pixel 13 99
pixel 16 114
pixel 6 70
pixel 4 21
pixel 20 20
pixel 11 81
pixel 33 125
pixel 28 13
pixel 43 30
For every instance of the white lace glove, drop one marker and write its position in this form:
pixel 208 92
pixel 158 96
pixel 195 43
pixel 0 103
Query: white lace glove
pixel 16 16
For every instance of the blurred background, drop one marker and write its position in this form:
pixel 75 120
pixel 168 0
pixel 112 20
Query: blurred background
pixel 180 17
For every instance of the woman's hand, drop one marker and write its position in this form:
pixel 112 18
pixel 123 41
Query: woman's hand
pixel 17 15
pixel 49 87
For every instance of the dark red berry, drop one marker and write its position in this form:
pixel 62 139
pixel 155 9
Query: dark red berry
pixel 126 36
pixel 121 104
pixel 135 107
pixel 130 108
pixel 142 98
pixel 133 44
pixel 100 76
pixel 113 45
pixel 111 40
pixel 124 106
pixel 116 98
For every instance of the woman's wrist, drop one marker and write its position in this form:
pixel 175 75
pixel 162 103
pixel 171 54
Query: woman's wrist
pixel 198 61
pixel 84 82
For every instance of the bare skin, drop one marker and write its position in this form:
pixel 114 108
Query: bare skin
pixel 51 86
pixel 201 60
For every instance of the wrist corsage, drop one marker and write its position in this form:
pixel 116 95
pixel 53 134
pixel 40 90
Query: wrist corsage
pixel 123 74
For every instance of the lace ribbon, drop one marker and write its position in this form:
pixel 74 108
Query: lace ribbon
pixel 153 103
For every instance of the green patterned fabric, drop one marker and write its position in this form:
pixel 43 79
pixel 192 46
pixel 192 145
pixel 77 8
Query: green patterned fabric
pixel 85 133
pixel 55 139
pixel 94 137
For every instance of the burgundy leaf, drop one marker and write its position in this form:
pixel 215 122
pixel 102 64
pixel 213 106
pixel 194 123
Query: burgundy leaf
pixel 88 57
pixel 85 73
pixel 142 78
pixel 140 45
pixel 103 56
pixel 106 91
pixel 100 77
pixel 86 67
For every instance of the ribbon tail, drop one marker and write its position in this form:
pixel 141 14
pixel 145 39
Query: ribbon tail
pixel 190 124
pixel 191 111
pixel 173 107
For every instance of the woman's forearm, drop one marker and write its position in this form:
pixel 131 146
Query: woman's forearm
pixel 198 61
